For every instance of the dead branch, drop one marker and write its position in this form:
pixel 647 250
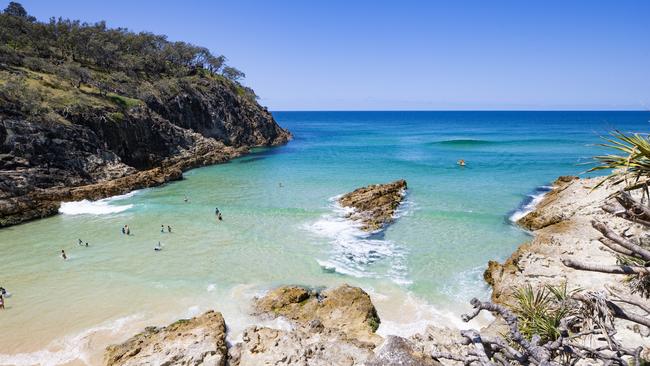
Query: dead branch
pixel 613 269
pixel 616 311
pixel 475 339
pixel 610 234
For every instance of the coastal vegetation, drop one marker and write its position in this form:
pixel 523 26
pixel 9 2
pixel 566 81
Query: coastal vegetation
pixel 50 68
pixel 82 103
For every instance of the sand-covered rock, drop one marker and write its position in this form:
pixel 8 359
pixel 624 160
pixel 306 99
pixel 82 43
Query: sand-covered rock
pixel 375 205
pixel 197 341
pixel 344 308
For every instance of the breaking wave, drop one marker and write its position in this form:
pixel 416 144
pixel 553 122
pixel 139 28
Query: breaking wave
pixel 100 207
pixel 357 253
pixel 529 203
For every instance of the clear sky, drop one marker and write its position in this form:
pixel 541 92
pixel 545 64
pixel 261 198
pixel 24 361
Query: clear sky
pixel 385 55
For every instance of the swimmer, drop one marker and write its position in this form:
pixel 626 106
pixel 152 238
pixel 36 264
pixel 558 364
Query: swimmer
pixel 128 231
pixel 81 242
pixel 162 228
pixel 86 244
pixel 3 291
pixel 219 216
pixel 280 185
pixel 461 162
pixel 216 211
pixel 169 229
pixel 65 257
pixel 123 230
pixel 186 199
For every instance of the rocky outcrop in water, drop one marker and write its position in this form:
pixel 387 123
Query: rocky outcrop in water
pixel 375 205
pixel 200 341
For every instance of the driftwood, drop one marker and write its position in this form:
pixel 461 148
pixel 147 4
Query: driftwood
pixel 611 235
pixel 566 349
pixel 613 269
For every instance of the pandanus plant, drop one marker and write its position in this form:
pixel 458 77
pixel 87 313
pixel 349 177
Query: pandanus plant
pixel 631 165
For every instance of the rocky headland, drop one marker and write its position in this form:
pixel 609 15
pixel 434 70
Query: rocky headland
pixel 337 326
pixel 374 206
pixel 88 112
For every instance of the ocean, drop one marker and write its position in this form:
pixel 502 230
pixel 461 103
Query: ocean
pixel 281 226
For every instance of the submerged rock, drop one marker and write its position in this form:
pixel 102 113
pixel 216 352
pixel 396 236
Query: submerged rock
pixel 197 341
pixel 345 308
pixel 375 205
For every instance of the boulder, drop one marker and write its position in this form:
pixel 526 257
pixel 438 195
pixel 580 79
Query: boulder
pixel 197 341
pixel 344 308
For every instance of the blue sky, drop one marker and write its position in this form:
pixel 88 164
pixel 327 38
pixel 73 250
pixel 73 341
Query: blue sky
pixel 421 55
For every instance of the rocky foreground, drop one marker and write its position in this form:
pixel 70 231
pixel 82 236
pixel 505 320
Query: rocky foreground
pixel 333 327
pixel 337 326
pixel 374 206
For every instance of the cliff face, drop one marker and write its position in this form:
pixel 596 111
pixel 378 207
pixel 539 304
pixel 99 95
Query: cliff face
pixel 202 121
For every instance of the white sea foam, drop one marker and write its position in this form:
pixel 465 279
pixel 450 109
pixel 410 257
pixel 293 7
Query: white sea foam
pixel 69 348
pixel 100 207
pixel 466 285
pixel 355 252
pixel 529 204
pixel 412 315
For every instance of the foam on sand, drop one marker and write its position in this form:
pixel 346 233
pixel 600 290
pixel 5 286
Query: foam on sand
pixel 100 207
pixel 70 348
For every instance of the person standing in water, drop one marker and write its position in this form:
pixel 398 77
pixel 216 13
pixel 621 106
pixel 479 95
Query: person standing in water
pixel 86 244
pixel 65 257
pixel 2 302
pixel 162 228
pixel 123 230
pixel 186 199
pixel 158 248
pixel 169 229
pixel 128 230
pixel 81 242
pixel 219 216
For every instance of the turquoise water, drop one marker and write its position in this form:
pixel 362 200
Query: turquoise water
pixel 281 226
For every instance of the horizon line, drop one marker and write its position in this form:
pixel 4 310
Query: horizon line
pixel 459 110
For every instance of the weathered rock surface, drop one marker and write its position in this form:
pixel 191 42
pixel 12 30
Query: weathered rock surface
pixel 345 308
pixel 397 351
pixel 43 163
pixel 562 228
pixel 312 344
pixel 197 341
pixel 375 205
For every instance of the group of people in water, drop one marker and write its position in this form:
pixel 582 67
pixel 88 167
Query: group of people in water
pixel 127 231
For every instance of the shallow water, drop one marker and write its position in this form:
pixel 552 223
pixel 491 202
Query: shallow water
pixel 281 226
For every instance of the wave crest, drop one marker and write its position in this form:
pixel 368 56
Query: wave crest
pixel 100 207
